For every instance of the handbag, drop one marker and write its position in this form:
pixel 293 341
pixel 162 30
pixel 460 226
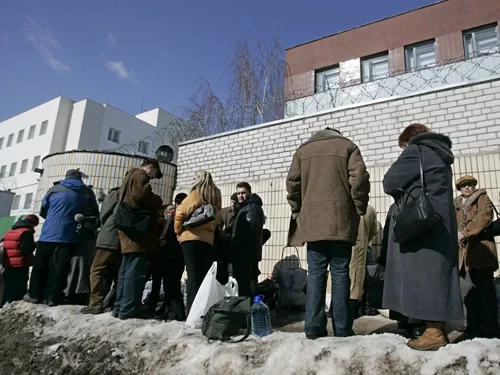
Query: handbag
pixel 202 215
pixel 416 217
pixel 374 290
pixel 292 285
pixel 134 221
pixel 493 229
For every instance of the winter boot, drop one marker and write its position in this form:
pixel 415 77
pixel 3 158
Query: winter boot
pixel 433 338
pixel 29 299
pixel 176 312
pixel 92 310
pixel 354 307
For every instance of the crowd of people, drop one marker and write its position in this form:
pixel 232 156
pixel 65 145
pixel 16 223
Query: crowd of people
pixel 328 190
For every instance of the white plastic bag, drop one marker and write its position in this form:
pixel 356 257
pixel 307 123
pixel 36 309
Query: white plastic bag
pixel 210 292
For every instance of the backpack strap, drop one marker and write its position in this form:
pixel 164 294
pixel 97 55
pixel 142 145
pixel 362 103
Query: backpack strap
pixel 247 333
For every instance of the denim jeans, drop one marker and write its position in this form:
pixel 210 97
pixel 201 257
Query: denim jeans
pixel 320 254
pixel 130 284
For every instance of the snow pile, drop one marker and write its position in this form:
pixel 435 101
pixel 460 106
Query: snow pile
pixel 38 339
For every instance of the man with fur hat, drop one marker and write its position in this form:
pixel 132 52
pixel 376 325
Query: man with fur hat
pixel 478 256
pixel 19 245
pixel 59 238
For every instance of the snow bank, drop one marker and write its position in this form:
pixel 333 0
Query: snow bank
pixel 39 339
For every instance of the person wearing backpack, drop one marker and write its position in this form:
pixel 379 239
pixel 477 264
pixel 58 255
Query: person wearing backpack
pixel 107 257
pixel 19 245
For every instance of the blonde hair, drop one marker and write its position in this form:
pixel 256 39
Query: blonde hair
pixel 209 193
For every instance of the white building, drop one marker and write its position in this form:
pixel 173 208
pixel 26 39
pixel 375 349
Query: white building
pixel 61 125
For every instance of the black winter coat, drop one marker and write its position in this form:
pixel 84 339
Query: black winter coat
pixel 422 277
pixel 247 231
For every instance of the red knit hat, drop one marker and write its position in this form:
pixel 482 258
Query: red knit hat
pixel 32 219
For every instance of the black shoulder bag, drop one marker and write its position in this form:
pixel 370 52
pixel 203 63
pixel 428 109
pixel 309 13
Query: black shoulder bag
pixel 412 219
pixel 134 221
pixel 493 230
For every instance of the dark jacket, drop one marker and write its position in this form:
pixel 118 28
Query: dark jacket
pixel 422 276
pixel 19 245
pixel 169 245
pixel 474 215
pixel 59 207
pixel 227 216
pixel 328 188
pixel 108 238
pixel 382 259
pixel 247 235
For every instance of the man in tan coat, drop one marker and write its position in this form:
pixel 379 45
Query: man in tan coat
pixel 137 192
pixel 328 188
pixel 368 229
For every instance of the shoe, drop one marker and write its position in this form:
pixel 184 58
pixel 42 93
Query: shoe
pixel 176 312
pixel 29 299
pixel 314 336
pixel 114 314
pixel 92 310
pixel 433 338
pixel 137 314
pixel 52 303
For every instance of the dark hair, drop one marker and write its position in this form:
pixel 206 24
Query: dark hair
pixel 179 198
pixel 234 197
pixel 150 161
pixel 244 185
pixel 412 131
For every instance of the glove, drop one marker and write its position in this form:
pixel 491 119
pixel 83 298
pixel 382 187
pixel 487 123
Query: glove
pixel 295 216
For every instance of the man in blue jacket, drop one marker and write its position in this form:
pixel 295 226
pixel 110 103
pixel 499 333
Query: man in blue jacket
pixel 59 238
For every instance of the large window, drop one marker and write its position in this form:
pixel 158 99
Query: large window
pixel 1 143
pixel 24 166
pixel 327 79
pixel 10 140
pixel 13 168
pixel 114 135
pixel 43 128
pixel 481 41
pixel 375 67
pixel 28 200
pixel 421 55
pixel 3 170
pixel 31 132
pixel 20 136
pixel 36 161
pixel 15 202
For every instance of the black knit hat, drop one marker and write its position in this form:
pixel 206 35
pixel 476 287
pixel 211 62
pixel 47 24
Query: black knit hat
pixel 234 197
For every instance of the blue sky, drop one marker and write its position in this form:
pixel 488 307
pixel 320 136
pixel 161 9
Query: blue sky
pixel 112 50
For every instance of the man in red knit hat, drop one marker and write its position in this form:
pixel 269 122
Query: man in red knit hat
pixel 19 245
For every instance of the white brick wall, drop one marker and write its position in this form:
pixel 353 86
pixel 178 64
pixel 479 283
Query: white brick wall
pixel 261 155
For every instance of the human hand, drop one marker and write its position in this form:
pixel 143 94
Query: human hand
pixel 461 236
pixel 295 216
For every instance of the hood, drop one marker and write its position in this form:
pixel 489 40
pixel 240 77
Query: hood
pixel 21 224
pixel 439 143
pixel 74 184
pixel 254 199
pixel 324 134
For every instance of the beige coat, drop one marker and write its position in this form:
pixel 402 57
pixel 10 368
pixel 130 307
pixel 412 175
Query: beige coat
pixel 368 229
pixel 328 188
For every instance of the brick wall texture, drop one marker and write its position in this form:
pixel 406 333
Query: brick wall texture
pixel 261 155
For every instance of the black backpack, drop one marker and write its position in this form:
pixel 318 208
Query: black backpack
pixel 226 318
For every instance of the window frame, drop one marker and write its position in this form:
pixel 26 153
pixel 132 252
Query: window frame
pixel 472 33
pixel 146 148
pixel 1 142
pixel 31 132
pixel 10 140
pixel 33 166
pixel 43 127
pixel 24 166
pixel 414 47
pixel 320 74
pixel 113 131
pixel 370 61
pixel 16 202
pixel 3 171
pixel 13 169
pixel 25 206
pixel 20 136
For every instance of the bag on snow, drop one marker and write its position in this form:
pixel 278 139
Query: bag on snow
pixel 374 290
pixel 292 284
pixel 210 292
pixel 226 318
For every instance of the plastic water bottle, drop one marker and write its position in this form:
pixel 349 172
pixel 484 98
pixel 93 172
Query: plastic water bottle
pixel 260 318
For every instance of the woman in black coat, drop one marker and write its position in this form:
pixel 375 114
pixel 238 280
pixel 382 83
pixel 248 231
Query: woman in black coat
pixel 422 277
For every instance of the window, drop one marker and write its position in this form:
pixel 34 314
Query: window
pixel 3 170
pixel 15 202
pixel 24 166
pixel 36 162
pixel 420 55
pixel 43 128
pixel 375 67
pixel 327 79
pixel 482 40
pixel 20 136
pixel 10 140
pixel 143 147
pixel 28 201
pixel 114 135
pixel 31 132
pixel 1 143
pixel 13 167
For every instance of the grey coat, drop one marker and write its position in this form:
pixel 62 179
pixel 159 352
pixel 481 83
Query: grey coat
pixel 422 277
pixel 108 238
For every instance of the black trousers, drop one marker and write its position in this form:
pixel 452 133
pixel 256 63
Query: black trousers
pixel 199 257
pixel 166 270
pixel 15 284
pixel 242 272
pixel 481 303
pixel 50 270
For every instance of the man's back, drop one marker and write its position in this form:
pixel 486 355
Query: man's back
pixel 328 188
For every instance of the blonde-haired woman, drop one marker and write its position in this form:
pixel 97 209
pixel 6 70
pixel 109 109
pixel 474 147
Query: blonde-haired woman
pixel 197 243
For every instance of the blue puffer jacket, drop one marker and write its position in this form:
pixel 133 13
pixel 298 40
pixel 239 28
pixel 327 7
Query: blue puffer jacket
pixel 59 207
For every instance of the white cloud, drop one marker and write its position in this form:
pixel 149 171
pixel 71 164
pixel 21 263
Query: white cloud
pixel 111 38
pixel 119 69
pixel 45 43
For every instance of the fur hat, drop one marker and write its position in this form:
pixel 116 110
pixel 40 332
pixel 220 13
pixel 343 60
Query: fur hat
pixel 464 179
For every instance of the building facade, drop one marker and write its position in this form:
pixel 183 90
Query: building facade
pixel 449 42
pixel 62 124
pixel 469 113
